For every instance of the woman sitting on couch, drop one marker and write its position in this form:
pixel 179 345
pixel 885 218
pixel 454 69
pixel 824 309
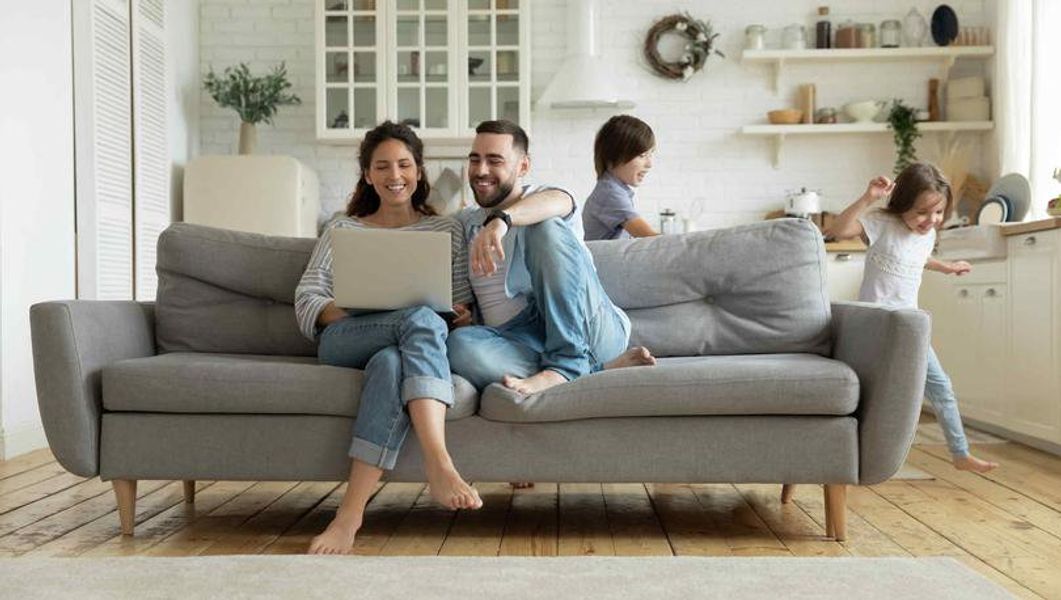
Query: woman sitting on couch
pixel 403 352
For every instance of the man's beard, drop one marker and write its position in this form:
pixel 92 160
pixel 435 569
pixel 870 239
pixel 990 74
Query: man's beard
pixel 503 190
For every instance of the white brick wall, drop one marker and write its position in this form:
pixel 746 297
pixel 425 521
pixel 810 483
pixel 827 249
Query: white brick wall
pixel 703 168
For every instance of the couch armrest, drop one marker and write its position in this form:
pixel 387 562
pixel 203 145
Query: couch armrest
pixel 72 342
pixel 888 349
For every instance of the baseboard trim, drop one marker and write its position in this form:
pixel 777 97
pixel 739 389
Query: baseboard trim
pixel 21 439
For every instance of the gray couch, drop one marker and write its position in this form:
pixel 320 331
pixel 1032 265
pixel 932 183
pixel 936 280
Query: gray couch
pixel 760 380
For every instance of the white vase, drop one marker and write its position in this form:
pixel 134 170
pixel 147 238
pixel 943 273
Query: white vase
pixel 915 29
pixel 248 137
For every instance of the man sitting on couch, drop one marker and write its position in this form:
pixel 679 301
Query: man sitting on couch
pixel 547 319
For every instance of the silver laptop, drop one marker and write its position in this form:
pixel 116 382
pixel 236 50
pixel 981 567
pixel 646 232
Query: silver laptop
pixel 387 269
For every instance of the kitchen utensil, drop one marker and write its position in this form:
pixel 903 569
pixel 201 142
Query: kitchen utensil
pixel 803 203
pixel 944 25
pixel 785 116
pixel 865 111
pixel 1015 188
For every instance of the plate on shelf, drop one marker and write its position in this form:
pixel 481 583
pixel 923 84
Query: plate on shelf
pixel 944 25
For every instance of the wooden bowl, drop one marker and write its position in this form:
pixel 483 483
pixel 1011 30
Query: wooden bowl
pixel 785 116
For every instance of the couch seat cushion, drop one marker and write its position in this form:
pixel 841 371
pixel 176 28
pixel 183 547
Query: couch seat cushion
pixel 191 382
pixel 762 384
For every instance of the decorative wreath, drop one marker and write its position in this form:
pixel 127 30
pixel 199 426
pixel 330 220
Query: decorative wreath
pixel 699 46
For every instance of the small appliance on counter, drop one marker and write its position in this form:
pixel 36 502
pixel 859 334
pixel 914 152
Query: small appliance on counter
pixel 803 203
pixel 1006 202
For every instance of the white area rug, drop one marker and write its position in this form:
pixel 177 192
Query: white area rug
pixel 437 578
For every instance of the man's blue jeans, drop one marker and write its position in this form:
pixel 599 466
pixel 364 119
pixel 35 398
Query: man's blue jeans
pixel 403 353
pixel 940 395
pixel 569 326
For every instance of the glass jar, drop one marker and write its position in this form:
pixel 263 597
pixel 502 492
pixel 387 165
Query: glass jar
pixel 668 222
pixel 846 35
pixel 754 37
pixel 867 35
pixel 890 33
pixel 794 38
pixel 825 115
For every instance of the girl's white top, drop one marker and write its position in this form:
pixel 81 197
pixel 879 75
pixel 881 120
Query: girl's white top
pixel 895 260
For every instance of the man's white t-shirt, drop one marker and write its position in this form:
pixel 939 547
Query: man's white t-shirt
pixel 895 260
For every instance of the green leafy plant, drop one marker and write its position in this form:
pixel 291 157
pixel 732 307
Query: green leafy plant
pixel 903 122
pixel 254 98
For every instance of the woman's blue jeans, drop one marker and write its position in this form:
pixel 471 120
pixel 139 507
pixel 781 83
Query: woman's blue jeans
pixel 403 354
pixel 940 395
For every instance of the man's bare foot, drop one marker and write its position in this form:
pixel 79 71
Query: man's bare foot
pixel 636 356
pixel 521 485
pixel 538 382
pixel 337 538
pixel 449 489
pixel 971 463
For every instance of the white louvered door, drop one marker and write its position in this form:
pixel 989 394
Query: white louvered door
pixel 150 146
pixel 122 159
pixel 104 166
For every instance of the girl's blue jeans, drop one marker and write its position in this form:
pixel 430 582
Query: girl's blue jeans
pixel 940 394
pixel 403 354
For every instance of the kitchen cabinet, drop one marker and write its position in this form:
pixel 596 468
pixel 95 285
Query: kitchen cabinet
pixel 997 331
pixel 440 66
pixel 844 273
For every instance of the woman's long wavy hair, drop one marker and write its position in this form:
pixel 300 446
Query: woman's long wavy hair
pixel 364 200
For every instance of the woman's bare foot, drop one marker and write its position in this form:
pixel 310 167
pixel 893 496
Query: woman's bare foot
pixel 636 356
pixel 449 489
pixel 971 463
pixel 538 382
pixel 521 485
pixel 338 538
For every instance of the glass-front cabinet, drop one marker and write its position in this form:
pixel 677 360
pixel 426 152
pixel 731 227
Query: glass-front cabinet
pixel 440 66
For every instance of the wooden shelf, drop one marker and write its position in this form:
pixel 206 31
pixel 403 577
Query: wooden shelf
pixel 780 132
pixel 944 55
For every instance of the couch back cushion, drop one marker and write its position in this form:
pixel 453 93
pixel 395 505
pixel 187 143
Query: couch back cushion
pixel 753 289
pixel 229 291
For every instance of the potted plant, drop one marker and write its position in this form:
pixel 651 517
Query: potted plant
pixel 254 98
pixel 903 122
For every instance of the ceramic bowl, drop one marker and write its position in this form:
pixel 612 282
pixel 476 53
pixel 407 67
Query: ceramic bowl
pixel 784 116
pixel 863 112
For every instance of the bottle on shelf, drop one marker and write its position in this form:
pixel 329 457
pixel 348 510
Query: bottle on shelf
pixel 823 29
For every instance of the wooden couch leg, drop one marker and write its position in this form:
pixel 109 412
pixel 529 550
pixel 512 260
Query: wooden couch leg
pixel 125 492
pixel 836 511
pixel 787 490
pixel 189 491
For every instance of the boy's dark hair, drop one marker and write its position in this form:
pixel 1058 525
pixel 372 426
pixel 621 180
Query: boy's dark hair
pixel 364 200
pixel 916 179
pixel 621 139
pixel 520 141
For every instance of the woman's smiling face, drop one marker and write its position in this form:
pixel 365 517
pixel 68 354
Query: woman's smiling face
pixel 393 173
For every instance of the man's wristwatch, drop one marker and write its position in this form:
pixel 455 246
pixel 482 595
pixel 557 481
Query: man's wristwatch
pixel 499 214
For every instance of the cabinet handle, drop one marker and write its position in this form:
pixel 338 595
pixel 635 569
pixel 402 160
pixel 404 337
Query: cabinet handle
pixel 990 293
pixel 1029 241
pixel 963 293
pixel 843 257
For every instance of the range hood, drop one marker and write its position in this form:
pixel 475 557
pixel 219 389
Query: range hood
pixel 584 80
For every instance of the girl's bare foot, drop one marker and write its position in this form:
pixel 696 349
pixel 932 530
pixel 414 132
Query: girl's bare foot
pixel 338 538
pixel 636 356
pixel 449 489
pixel 971 463
pixel 538 382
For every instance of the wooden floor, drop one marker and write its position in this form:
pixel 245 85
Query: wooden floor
pixel 1006 525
